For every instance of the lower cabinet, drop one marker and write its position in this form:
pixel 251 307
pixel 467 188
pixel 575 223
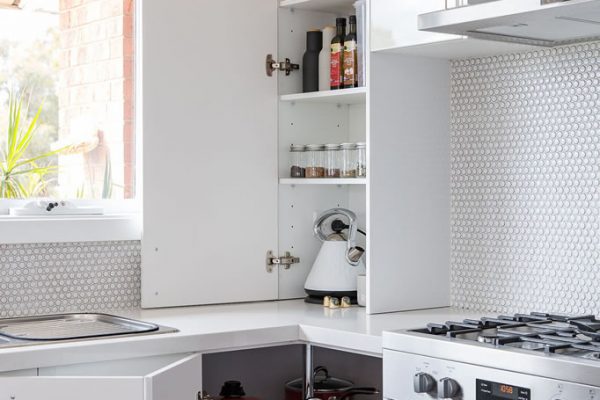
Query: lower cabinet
pixel 172 377
pixel 263 372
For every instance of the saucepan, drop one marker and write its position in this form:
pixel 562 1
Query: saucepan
pixel 326 388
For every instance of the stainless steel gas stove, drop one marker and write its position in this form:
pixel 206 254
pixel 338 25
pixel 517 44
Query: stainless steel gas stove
pixel 533 356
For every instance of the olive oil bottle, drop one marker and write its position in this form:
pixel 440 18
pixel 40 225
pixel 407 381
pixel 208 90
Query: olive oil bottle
pixel 350 59
pixel 336 80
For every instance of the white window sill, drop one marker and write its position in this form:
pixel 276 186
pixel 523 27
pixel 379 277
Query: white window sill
pixel 70 228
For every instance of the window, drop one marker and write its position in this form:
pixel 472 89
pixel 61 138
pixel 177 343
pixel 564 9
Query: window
pixel 73 61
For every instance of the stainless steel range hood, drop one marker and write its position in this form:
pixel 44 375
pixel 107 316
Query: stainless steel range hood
pixel 532 22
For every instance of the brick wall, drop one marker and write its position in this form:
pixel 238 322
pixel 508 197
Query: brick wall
pixel 96 96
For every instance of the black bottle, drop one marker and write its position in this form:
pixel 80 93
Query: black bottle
pixel 350 67
pixel 310 61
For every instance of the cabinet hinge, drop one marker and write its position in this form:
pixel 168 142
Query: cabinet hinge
pixel 286 260
pixel 273 65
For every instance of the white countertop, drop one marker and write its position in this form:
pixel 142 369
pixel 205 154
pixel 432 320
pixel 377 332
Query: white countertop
pixel 231 327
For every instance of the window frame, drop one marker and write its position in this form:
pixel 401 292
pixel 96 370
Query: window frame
pixel 122 219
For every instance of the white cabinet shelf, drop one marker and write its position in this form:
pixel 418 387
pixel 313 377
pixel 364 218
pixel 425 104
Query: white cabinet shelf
pixel 323 181
pixel 342 96
pixel 332 6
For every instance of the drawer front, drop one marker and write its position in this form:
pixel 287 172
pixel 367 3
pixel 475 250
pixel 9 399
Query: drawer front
pixel 72 388
pixel 169 377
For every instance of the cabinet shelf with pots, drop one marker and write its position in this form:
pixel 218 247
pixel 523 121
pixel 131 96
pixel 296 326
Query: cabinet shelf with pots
pixel 323 181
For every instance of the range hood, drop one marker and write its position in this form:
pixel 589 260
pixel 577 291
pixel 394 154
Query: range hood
pixel 533 22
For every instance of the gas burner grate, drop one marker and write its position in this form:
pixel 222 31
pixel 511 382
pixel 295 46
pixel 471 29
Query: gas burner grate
pixel 568 335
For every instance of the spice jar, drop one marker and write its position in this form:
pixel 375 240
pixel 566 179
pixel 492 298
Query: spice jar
pixel 361 160
pixel 297 153
pixel 348 151
pixel 315 166
pixel 332 160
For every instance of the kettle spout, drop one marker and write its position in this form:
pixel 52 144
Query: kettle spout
pixel 354 254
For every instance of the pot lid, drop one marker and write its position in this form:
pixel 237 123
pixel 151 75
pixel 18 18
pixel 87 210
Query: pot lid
pixel 323 382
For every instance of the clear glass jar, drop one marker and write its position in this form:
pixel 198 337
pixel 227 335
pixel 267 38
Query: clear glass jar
pixel 332 160
pixel 348 151
pixel 361 160
pixel 315 165
pixel 298 162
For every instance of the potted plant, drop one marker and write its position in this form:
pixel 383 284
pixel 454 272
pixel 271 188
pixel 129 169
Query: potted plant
pixel 21 175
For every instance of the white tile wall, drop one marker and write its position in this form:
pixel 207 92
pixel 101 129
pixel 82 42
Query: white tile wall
pixel 525 181
pixel 68 277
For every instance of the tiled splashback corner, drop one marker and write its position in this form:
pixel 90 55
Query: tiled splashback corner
pixel 525 181
pixel 68 277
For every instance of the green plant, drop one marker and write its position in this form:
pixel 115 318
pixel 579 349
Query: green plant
pixel 23 176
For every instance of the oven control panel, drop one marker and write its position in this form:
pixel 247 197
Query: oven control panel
pixel 414 377
pixel 487 390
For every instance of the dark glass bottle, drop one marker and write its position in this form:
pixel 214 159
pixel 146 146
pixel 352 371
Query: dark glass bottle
pixel 351 56
pixel 310 61
pixel 337 55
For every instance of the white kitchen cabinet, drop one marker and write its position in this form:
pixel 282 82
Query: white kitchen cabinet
pixel 209 151
pixel 153 378
pixel 217 132
pixel 409 191
pixel 394 24
pixel 394 29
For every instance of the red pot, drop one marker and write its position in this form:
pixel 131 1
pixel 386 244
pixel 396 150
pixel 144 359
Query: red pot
pixel 326 387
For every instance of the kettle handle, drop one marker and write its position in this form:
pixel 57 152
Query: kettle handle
pixel 353 253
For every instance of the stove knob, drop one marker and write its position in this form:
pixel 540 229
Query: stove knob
pixel 424 383
pixel 448 388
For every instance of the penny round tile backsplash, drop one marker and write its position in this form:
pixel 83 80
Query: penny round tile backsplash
pixel 68 277
pixel 525 181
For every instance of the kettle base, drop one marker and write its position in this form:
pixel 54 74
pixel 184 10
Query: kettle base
pixel 316 296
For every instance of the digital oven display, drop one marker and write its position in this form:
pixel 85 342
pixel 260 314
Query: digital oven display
pixel 487 390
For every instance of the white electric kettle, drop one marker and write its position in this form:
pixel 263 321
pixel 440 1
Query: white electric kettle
pixel 339 261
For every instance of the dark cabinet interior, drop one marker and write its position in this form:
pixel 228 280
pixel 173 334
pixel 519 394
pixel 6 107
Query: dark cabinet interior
pixel 265 371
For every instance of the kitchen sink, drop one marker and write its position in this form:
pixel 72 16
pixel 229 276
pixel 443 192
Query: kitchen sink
pixel 58 328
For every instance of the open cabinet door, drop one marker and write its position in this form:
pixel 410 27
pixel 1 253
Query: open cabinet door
pixel 209 151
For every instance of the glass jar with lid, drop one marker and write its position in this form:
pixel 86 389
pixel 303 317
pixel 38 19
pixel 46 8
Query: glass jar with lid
pixel 332 160
pixel 348 169
pixel 361 160
pixel 298 162
pixel 315 165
